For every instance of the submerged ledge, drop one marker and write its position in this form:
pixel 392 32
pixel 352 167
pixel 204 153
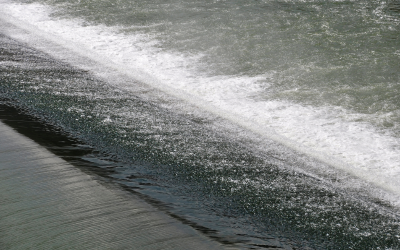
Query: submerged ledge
pixel 47 203
pixel 51 198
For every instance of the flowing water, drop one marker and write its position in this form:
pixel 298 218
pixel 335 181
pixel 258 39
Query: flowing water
pixel 271 123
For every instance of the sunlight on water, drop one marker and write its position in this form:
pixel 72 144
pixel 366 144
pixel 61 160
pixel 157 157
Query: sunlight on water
pixel 322 90
pixel 318 76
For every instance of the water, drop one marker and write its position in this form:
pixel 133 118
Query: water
pixel 281 118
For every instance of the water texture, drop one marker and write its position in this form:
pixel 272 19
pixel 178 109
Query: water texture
pixel 321 76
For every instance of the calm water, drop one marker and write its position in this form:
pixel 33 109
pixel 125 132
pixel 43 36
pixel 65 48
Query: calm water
pixel 307 152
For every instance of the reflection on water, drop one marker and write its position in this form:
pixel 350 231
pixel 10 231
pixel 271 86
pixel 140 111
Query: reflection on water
pixel 241 190
pixel 47 203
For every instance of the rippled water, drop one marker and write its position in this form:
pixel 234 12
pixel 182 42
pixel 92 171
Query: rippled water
pixel 314 86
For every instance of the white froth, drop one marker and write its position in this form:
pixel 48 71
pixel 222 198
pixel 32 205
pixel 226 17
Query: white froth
pixel 330 134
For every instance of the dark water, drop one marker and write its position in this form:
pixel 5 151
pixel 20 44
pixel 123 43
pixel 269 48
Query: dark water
pixel 337 59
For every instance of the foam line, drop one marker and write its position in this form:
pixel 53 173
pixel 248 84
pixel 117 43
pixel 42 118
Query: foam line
pixel 333 153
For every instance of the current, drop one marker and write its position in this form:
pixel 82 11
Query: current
pixel 264 123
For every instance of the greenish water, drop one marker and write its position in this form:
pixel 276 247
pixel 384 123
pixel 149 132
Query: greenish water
pixel 324 74
pixel 340 53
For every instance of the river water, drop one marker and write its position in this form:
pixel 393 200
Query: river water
pixel 277 122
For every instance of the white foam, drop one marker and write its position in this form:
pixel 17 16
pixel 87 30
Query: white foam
pixel 330 134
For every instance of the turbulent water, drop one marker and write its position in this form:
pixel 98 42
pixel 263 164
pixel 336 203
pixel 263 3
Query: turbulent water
pixel 271 123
